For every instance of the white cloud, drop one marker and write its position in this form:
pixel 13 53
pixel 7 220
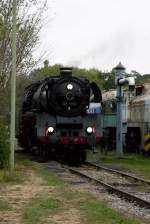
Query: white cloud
pixel 98 33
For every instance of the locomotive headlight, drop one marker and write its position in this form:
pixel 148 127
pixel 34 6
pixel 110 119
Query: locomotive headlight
pixel 50 130
pixel 89 130
pixel 69 86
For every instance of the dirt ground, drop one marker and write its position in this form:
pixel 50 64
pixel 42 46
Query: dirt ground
pixel 39 196
pixel 19 195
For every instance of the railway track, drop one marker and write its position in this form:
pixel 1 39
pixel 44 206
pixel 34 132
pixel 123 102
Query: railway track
pixel 116 198
pixel 128 190
pixel 138 179
pixel 109 187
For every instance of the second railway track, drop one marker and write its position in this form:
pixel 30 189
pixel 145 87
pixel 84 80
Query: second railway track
pixel 128 187
pixel 123 174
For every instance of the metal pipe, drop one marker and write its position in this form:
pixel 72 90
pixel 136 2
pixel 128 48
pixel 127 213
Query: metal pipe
pixel 120 75
pixel 119 146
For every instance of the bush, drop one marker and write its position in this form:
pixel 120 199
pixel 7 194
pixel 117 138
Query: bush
pixel 4 146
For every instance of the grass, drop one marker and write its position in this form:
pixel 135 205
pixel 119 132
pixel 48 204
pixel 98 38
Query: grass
pixel 48 176
pixel 92 210
pixel 6 177
pixel 51 178
pixel 4 205
pixel 98 213
pixel 40 208
pixel 133 162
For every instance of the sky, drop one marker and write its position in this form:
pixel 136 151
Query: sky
pixel 97 34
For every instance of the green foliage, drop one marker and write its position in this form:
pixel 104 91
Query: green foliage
pixel 21 82
pixel 109 81
pixel 140 79
pixel 105 80
pixel 5 103
pixel 93 75
pixel 4 146
pixel 143 79
pixel 44 72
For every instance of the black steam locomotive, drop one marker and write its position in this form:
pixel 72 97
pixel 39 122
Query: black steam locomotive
pixel 60 117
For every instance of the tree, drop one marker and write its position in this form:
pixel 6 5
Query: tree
pixel 28 26
pixel 93 75
pixel 146 78
pixel 45 72
pixel 109 80
pixel 105 80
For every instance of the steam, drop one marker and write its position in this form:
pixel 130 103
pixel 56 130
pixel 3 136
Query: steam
pixel 118 46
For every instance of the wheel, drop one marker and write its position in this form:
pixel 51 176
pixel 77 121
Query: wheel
pixel 42 152
pixel 82 155
pixel 71 156
pixel 75 155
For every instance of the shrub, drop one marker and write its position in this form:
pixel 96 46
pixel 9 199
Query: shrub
pixel 4 146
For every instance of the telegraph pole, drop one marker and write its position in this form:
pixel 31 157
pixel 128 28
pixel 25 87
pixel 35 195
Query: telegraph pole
pixel 13 89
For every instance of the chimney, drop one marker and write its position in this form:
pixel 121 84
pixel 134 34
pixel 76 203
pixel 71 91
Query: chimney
pixel 66 71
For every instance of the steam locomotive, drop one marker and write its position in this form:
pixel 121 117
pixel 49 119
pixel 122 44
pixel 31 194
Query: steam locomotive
pixel 60 117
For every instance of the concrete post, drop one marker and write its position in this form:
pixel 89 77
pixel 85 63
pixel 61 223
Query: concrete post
pixel 13 90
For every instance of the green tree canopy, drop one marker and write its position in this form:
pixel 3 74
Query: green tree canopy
pixel 105 80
